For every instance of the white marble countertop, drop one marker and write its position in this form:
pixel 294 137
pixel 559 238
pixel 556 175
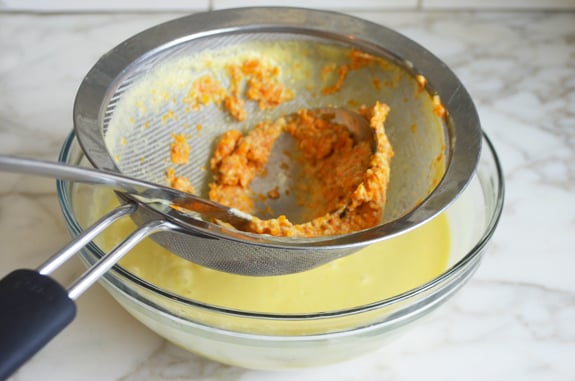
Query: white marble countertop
pixel 514 320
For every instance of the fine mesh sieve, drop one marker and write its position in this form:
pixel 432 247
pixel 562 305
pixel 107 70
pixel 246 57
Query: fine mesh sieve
pixel 138 95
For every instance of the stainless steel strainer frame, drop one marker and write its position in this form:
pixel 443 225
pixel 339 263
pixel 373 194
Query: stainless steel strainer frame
pixel 464 130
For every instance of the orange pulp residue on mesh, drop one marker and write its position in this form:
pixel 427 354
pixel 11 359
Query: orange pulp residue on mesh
pixel 358 60
pixel 180 183
pixel 348 180
pixel 179 149
pixel 252 79
pixel 204 90
pixel 237 160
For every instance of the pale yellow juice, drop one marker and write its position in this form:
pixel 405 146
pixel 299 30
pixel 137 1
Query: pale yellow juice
pixel 377 272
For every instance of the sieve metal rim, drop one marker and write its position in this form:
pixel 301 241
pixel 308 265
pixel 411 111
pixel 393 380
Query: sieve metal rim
pixel 464 129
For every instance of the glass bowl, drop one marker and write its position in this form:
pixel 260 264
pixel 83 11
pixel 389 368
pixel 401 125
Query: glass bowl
pixel 260 340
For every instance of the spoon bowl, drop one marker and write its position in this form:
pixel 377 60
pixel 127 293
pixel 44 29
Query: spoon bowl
pixel 284 169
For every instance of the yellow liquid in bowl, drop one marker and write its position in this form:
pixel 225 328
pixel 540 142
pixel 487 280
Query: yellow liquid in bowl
pixel 377 272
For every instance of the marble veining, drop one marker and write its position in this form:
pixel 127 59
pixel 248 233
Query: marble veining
pixel 513 320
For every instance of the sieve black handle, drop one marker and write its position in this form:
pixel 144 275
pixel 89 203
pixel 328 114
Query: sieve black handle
pixel 34 308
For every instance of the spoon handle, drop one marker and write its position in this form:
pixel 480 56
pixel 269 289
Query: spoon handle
pixel 146 192
pixel 72 173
